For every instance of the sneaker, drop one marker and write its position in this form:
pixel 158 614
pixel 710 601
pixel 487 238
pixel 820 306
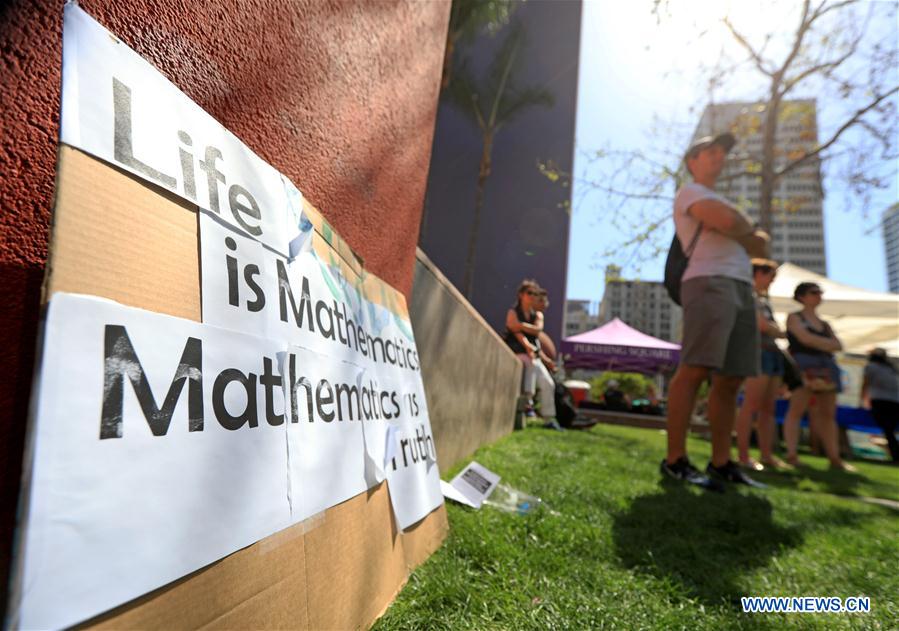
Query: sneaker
pixel 685 472
pixel 732 473
pixel 530 413
pixel 553 424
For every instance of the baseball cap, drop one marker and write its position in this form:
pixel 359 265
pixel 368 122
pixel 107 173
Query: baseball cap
pixel 726 140
pixel 760 263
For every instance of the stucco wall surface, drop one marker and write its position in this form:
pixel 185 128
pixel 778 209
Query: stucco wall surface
pixel 472 378
pixel 338 95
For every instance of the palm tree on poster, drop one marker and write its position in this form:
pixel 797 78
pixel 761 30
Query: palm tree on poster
pixel 491 102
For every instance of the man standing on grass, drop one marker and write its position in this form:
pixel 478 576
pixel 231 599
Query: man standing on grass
pixel 721 336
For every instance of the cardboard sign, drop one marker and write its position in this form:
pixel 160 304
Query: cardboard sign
pixel 159 445
pixel 146 419
pixel 316 574
pixel 475 483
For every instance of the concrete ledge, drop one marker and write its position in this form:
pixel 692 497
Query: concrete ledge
pixel 471 377
pixel 638 420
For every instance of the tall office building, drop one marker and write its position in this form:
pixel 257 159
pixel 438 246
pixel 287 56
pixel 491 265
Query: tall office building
pixel 643 305
pixel 890 225
pixel 797 221
pixel 580 317
pixel 524 227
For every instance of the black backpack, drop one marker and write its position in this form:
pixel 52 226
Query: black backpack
pixel 676 264
pixel 565 410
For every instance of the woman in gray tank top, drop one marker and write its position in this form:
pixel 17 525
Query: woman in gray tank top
pixel 880 393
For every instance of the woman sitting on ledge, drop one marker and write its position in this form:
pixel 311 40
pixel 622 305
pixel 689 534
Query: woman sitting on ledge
pixel 523 327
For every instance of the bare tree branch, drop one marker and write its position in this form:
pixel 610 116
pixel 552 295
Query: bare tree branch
pixel 804 25
pixel 555 174
pixel 823 10
pixel 628 194
pixel 831 51
pixel 811 70
pixel 833 64
pixel 836 135
pixel 754 55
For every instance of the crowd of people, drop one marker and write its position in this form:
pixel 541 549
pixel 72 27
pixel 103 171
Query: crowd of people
pixel 730 335
pixel 730 341
pixel 811 376
pixel 807 373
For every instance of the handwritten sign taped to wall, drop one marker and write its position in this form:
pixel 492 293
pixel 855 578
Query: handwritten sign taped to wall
pixel 163 444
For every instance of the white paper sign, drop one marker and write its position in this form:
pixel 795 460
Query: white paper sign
pixel 162 445
pixel 412 474
pixel 249 287
pixel 308 304
pixel 131 492
pixel 475 483
pixel 118 107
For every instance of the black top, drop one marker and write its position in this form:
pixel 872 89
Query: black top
pixel 615 400
pixel 510 338
pixel 798 347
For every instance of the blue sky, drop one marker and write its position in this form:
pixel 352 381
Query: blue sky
pixel 633 69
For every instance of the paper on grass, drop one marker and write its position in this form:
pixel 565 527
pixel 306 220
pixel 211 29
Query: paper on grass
pixel 475 482
pixel 452 493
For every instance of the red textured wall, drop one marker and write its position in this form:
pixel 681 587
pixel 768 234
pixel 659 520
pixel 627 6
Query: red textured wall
pixel 339 96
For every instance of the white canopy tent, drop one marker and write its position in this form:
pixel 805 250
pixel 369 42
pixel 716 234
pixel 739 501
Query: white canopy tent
pixel 862 319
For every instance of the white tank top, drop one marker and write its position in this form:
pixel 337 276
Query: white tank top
pixel 714 254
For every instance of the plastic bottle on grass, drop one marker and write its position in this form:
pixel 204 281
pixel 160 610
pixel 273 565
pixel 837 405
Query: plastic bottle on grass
pixel 510 500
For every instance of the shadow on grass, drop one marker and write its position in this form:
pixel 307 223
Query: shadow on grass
pixel 703 541
pixel 835 482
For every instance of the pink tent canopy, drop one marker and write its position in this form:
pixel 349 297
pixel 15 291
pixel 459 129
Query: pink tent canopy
pixel 616 346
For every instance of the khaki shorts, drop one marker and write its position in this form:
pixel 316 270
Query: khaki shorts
pixel 720 327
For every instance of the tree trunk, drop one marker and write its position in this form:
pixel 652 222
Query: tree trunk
pixel 483 173
pixel 769 139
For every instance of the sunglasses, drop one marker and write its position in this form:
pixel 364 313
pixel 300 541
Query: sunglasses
pixel 532 293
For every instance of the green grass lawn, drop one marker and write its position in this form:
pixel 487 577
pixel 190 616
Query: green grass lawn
pixel 628 552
